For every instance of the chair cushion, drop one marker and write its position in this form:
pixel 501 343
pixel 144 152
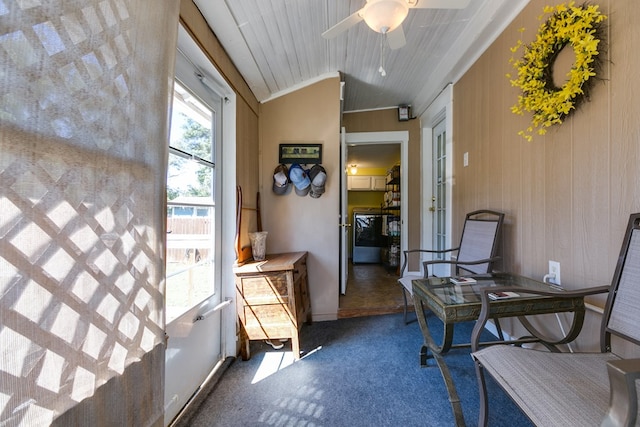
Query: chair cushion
pixel 405 281
pixel 553 389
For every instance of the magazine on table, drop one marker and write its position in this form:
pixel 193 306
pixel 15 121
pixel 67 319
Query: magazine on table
pixel 502 295
pixel 461 280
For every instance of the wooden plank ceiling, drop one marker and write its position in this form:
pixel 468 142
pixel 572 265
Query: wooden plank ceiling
pixel 278 47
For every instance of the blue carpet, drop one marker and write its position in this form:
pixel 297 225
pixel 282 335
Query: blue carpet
pixel 354 372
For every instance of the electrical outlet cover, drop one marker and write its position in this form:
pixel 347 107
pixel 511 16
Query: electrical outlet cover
pixel 554 272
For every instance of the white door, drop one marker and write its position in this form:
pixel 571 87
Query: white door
pixel 193 300
pixel 439 199
pixel 344 220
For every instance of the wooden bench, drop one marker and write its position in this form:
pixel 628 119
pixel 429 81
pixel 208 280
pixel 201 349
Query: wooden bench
pixel 575 389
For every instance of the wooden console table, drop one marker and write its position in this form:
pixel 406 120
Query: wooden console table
pixel 272 298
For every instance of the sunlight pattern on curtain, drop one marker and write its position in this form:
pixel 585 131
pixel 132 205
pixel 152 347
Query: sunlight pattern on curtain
pixel 84 95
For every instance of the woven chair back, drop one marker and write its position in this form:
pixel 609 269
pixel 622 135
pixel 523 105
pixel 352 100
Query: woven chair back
pixel 479 241
pixel 623 305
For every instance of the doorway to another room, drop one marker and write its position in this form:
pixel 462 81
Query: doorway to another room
pixel 437 177
pixel 373 199
pixel 372 290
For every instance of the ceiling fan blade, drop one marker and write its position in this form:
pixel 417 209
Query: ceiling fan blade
pixel 396 38
pixel 438 4
pixel 343 25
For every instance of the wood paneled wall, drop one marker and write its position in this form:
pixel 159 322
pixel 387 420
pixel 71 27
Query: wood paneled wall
pixel 567 195
pixel 194 22
pixel 247 110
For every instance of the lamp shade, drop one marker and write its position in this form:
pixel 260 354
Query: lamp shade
pixel 384 16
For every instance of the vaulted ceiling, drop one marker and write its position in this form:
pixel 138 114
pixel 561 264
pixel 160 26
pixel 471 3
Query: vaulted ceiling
pixel 277 45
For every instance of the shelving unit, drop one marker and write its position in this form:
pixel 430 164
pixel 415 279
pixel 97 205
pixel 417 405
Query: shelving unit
pixel 390 253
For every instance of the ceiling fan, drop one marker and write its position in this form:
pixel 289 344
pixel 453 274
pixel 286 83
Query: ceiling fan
pixel 386 16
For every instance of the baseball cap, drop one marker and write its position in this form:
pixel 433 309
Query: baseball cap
pixel 280 179
pixel 300 180
pixel 318 177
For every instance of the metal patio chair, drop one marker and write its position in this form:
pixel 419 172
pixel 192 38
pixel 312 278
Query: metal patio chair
pixel 577 388
pixel 476 253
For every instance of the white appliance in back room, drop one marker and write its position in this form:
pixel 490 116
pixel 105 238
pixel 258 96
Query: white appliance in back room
pixel 367 235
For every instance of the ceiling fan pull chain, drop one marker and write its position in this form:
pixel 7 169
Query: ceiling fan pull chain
pixel 381 69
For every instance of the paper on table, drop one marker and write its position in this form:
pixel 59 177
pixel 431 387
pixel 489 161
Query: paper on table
pixel 459 280
pixel 502 295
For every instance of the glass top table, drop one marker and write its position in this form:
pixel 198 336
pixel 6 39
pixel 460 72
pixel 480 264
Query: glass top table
pixel 453 303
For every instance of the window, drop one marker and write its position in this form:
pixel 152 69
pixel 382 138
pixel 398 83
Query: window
pixel 190 202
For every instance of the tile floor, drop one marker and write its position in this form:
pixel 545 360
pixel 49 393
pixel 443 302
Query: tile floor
pixel 372 289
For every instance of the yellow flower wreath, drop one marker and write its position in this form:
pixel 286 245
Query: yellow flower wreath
pixel 578 26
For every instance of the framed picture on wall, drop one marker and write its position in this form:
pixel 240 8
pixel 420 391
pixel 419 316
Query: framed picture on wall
pixel 300 153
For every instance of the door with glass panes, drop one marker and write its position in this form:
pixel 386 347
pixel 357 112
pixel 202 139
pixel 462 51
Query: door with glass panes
pixel 439 200
pixel 193 292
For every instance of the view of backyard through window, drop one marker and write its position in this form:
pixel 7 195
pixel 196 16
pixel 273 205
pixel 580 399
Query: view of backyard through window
pixel 190 206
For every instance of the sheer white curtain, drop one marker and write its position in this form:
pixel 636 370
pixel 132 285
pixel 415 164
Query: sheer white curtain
pixel 84 97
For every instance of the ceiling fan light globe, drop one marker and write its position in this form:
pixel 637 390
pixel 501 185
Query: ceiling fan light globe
pixel 385 15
